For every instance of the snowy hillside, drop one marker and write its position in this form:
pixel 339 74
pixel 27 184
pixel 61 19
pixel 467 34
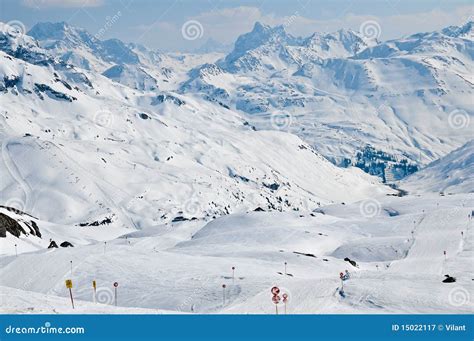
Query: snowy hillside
pixel 396 97
pixel 79 153
pixel 407 98
pixel 120 163
pixel 453 173
pixel 133 65
pixel 397 245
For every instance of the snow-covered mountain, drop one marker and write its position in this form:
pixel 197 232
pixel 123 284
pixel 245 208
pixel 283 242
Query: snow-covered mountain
pixel 102 152
pixel 401 99
pixel 144 167
pixel 73 44
pixel 409 99
pixel 454 173
pixel 132 64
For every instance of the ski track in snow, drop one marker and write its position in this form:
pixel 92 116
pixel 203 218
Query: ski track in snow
pixel 186 275
pixel 174 187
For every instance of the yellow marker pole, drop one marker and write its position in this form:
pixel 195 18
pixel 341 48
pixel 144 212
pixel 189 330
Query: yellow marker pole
pixel 69 286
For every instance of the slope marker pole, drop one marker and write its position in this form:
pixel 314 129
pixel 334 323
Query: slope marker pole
pixel 223 294
pixel 69 286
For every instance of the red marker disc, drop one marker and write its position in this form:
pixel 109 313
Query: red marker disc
pixel 275 290
pixel 115 284
pixel 276 299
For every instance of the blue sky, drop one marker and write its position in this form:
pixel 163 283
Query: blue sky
pixel 159 23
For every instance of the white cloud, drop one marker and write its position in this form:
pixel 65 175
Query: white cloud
pixel 225 25
pixel 62 3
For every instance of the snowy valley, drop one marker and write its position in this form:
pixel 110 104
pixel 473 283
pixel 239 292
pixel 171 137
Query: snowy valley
pixel 200 181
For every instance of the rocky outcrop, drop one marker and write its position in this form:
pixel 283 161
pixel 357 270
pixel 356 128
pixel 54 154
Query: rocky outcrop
pixel 17 227
pixel 8 224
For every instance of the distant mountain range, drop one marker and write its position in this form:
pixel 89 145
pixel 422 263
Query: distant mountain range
pixel 102 131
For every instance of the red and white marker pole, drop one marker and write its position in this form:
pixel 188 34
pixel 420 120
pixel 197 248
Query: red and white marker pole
pixel 285 268
pixel 275 298
pixel 445 256
pixel 105 245
pixel 233 274
pixel 115 287
pixel 71 268
pixel 285 300
pixel 16 251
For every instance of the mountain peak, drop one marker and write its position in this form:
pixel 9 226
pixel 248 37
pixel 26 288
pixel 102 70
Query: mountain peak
pixel 464 31
pixel 60 33
pixel 261 34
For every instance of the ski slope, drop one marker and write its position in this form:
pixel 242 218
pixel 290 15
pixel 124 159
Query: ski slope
pixel 181 268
